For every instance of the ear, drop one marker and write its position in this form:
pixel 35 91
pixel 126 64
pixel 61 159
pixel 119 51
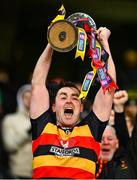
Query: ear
pixel 82 107
pixel 117 144
pixel 53 107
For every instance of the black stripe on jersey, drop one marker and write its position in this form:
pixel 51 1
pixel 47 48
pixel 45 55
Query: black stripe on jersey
pixel 75 151
pixel 39 124
pixel 96 126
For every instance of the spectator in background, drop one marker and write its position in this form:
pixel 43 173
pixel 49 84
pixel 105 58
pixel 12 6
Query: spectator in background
pixel 120 111
pixel 114 159
pixel 56 80
pixel 109 144
pixel 131 107
pixel 16 129
pixel 130 121
pixel 7 105
pixel 114 162
pixel 130 143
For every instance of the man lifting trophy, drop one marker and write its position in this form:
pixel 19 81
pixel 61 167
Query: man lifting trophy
pixel 64 145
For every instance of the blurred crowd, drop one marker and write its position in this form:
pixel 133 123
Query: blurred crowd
pixel 118 158
pixel 15 130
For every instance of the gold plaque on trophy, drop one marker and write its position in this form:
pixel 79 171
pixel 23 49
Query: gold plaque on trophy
pixel 62 35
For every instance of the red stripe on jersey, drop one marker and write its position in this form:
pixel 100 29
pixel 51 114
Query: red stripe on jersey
pixel 61 172
pixel 77 141
pixel 45 139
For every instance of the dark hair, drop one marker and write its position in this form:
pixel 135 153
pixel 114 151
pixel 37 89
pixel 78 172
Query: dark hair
pixel 132 118
pixel 53 88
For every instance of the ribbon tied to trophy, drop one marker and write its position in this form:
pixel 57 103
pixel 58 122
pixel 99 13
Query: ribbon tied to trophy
pixel 79 30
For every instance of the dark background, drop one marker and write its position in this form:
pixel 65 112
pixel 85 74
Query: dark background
pixel 23 37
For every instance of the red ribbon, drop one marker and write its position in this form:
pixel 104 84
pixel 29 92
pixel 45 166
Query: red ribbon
pixel 107 83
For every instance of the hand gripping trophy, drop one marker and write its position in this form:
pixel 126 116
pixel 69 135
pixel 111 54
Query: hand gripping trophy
pixel 79 30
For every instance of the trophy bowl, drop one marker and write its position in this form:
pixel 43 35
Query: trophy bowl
pixel 62 35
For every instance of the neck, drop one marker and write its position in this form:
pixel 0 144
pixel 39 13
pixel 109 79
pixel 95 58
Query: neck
pixel 64 126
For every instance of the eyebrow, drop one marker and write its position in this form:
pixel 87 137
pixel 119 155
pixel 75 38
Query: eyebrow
pixel 73 94
pixel 112 137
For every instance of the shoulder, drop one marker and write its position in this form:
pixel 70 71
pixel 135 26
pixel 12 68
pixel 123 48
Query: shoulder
pixel 39 123
pixel 92 117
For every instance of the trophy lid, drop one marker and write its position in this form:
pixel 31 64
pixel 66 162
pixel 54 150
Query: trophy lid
pixel 76 17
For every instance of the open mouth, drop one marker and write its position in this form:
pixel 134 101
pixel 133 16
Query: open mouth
pixel 106 154
pixel 68 112
pixel 105 150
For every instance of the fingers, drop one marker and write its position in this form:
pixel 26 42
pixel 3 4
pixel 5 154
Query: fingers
pixel 103 33
pixel 120 97
pixel 121 93
pixel 101 29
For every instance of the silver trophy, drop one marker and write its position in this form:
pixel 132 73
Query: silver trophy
pixel 63 34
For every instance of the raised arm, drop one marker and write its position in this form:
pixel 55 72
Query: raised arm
pixel 40 96
pixel 120 98
pixel 103 102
